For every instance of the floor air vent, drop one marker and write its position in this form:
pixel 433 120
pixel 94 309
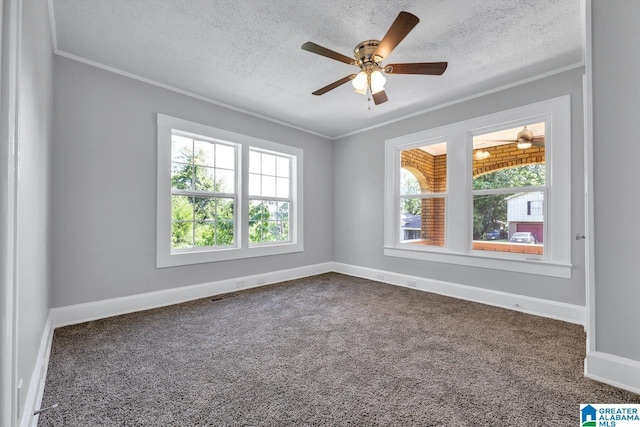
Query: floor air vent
pixel 221 297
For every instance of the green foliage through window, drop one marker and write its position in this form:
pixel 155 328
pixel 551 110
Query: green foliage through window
pixel 201 215
pixel 490 211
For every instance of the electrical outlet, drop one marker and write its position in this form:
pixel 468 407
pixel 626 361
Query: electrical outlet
pixel 412 283
pixel 380 276
pixel 240 284
pixel 260 280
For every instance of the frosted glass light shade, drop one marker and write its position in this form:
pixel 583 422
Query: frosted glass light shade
pixel 524 145
pixel 377 81
pixel 360 82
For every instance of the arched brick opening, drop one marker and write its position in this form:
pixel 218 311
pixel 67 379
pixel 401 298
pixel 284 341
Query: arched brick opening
pixel 425 184
pixel 507 156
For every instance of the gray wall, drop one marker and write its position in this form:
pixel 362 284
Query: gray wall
pixel 359 194
pixel 34 185
pixel 104 180
pixel 616 91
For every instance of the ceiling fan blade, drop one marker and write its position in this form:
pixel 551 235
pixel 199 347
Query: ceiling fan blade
pixel 319 50
pixel 380 97
pixel 403 24
pixel 538 141
pixel 430 68
pixel 334 85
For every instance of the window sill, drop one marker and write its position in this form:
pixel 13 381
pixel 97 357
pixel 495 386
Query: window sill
pixel 533 265
pixel 198 257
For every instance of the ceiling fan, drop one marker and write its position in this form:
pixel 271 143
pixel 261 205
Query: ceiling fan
pixel 525 139
pixel 368 56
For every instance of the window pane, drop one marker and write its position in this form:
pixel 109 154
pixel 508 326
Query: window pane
pixel 255 162
pixel 224 233
pixel 511 222
pixel 204 208
pixel 225 157
pixel 411 220
pixel 213 234
pixel 268 164
pixel 519 176
pixel 181 208
pixel 268 186
pixel 254 185
pixel 424 169
pixel 181 149
pixel 204 152
pixel 258 220
pixel 284 236
pixel 409 183
pixel 283 167
pixel 182 212
pixel 224 210
pixel 181 234
pixel 181 176
pixel 225 181
pixel 268 221
pixel 204 179
pixel 205 234
pixel 508 158
pixel 283 211
pixel 282 187
pixel 422 221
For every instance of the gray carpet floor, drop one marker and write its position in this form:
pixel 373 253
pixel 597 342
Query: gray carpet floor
pixel 325 350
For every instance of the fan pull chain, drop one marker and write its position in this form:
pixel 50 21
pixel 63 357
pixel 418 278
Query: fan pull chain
pixel 369 92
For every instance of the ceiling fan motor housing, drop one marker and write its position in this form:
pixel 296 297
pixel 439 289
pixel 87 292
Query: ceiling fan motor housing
pixel 364 51
pixel 525 135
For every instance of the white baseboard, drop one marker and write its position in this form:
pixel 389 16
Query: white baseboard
pixel 614 370
pixel 552 309
pixel 79 313
pixel 33 398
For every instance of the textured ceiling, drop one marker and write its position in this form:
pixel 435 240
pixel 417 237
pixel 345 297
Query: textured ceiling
pixel 246 53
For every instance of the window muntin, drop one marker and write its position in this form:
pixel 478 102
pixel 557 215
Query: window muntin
pixel 204 201
pixel 555 202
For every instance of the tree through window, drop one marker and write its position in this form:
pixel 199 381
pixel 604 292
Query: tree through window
pixel 203 193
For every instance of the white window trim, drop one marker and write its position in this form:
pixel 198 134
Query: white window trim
pixel 556 260
pixel 165 257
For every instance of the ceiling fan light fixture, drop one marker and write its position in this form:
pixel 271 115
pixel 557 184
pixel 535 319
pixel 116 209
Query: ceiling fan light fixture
pixel 481 154
pixel 359 83
pixel 523 145
pixel 377 81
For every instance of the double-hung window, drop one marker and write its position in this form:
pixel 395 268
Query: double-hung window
pixel 269 197
pixel 491 192
pixel 224 195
